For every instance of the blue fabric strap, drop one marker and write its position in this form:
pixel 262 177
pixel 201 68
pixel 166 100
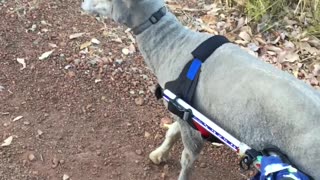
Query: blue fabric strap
pixel 194 68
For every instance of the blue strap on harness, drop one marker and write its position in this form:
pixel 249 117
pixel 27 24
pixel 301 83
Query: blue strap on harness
pixel 194 69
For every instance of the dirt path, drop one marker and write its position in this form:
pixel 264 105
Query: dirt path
pixel 72 125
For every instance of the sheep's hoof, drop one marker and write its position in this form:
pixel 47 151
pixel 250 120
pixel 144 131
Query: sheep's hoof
pixel 157 156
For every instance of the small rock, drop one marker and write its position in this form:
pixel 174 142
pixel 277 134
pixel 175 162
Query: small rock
pixel 145 77
pixel 119 61
pixel 132 92
pixel 26 122
pixel 33 27
pixel 141 92
pixel 77 61
pixel 139 101
pixel 71 74
pixel 65 177
pixel 31 157
pixel 39 132
pixel 1 88
pixel 24 162
pixel 99 153
pixel 125 51
pixel 68 66
pixel 203 165
pixel 138 151
pixel 146 134
pixel 163 175
pixel 35 172
pixel 61 161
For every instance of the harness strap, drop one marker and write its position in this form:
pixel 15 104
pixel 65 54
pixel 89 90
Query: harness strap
pixel 185 85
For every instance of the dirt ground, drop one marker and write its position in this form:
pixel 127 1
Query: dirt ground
pixel 72 125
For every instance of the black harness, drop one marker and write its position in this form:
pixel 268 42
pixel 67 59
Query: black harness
pixel 185 85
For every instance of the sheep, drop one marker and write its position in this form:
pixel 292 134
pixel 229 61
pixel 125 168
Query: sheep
pixel 255 102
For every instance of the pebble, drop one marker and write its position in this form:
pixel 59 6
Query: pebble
pixel 119 61
pixel 146 134
pixel 71 74
pixel 24 162
pixel 125 51
pixel 65 177
pixel 203 165
pixel 139 101
pixel 31 157
pixel 138 151
pixel 163 175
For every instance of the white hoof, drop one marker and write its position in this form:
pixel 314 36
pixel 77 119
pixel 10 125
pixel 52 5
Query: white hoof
pixel 157 156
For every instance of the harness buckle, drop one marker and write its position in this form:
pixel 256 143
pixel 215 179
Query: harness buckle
pixel 153 19
pixel 158 15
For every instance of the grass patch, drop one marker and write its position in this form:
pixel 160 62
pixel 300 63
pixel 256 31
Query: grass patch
pixel 306 12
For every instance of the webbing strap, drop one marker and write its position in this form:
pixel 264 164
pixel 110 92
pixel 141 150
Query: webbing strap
pixel 205 49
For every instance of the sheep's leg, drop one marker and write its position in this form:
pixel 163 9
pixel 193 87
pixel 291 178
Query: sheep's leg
pixel 193 143
pixel 162 152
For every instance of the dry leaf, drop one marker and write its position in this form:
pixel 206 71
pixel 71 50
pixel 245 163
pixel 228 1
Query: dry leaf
pixel 245 36
pixel 45 55
pixel 22 62
pixel 132 49
pixel 273 48
pixel 212 9
pixel 17 118
pixel 7 141
pixel 315 42
pixel 209 19
pixel 174 7
pixel 85 45
pixel 316 70
pixel 76 35
pixel 290 56
pixel 206 28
